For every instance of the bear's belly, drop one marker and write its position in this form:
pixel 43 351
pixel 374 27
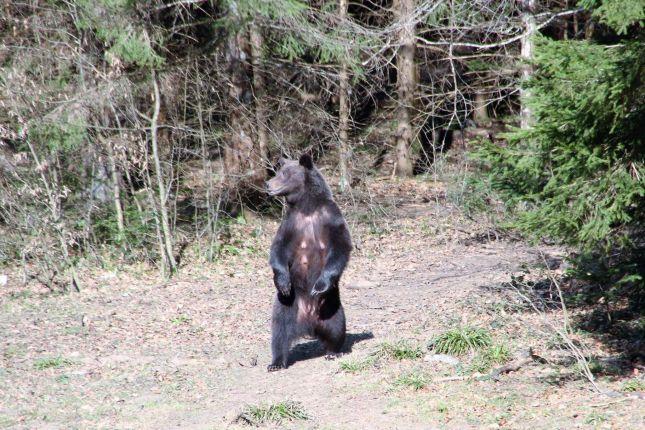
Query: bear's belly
pixel 306 267
pixel 307 310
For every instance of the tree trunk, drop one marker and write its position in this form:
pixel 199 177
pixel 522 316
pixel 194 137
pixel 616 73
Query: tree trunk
pixel 126 167
pixel 114 177
pixel 259 88
pixel 530 26
pixel 344 151
pixel 565 23
pixel 241 158
pixel 406 83
pixel 161 188
pixel 480 115
pixel 589 28
pixel 116 189
pixel 576 27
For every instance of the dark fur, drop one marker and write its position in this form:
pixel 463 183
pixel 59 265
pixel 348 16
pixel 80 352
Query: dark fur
pixel 308 256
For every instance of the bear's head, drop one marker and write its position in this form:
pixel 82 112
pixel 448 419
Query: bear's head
pixel 297 179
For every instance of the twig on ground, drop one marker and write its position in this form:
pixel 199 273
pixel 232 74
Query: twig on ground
pixel 526 357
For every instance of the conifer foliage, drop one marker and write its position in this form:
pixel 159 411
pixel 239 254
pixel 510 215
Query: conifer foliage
pixel 577 175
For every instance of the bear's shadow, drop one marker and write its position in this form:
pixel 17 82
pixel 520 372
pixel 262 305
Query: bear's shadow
pixel 313 348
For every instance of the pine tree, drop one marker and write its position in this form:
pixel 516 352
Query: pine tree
pixel 578 173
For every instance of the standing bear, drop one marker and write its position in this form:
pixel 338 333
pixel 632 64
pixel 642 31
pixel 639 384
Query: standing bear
pixel 308 256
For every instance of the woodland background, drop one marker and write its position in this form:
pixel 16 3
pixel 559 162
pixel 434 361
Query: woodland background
pixel 131 130
pixel 488 157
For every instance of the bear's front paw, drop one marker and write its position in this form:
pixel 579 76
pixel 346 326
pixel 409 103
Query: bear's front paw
pixel 283 284
pixel 285 290
pixel 320 287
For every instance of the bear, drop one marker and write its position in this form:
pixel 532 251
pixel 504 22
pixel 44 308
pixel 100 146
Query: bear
pixel 308 256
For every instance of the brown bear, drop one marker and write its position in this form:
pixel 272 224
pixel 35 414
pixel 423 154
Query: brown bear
pixel 308 256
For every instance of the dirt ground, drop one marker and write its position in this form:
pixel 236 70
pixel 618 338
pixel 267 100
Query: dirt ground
pixel 132 352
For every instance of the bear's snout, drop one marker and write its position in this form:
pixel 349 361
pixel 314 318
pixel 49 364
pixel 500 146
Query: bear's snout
pixel 271 188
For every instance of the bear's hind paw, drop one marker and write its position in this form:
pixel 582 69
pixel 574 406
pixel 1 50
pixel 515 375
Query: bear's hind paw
pixel 274 367
pixel 333 355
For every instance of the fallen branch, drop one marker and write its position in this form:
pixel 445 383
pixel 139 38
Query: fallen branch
pixel 455 378
pixel 526 357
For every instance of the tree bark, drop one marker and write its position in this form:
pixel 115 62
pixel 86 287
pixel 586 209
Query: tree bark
pixel 526 54
pixel 406 84
pixel 126 167
pixel 344 151
pixel 589 28
pixel 116 189
pixel 161 188
pixel 259 89
pixel 241 158
pixel 480 115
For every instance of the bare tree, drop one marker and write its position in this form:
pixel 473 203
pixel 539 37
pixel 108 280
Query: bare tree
pixel 116 187
pixel 526 54
pixel 161 188
pixel 344 150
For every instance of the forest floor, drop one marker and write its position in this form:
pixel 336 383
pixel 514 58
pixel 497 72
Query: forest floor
pixel 132 352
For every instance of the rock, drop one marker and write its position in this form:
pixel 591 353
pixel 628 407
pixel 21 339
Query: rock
pixel 4 279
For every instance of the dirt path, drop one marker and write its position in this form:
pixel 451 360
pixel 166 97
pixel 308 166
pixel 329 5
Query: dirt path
pixel 191 353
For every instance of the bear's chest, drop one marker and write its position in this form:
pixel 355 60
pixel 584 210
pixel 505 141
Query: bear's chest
pixel 308 246
pixel 308 252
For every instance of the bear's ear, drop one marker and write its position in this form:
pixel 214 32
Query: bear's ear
pixel 306 161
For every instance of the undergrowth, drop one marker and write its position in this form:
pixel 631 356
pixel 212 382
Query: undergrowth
pixel 51 362
pixel 401 350
pixel 460 340
pixel 276 413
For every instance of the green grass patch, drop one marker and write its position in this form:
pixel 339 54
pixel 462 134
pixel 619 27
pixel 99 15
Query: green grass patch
pixel 595 418
pixel 51 362
pixel 633 385
pixel 276 413
pixel 180 319
pixel 461 340
pixel 442 407
pixel 597 367
pixel 401 350
pixel 63 379
pixel 414 379
pixel 487 358
pixel 357 365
